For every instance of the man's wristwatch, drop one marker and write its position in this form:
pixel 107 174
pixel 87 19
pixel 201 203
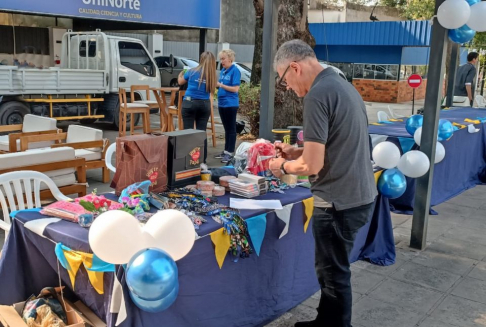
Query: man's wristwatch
pixel 282 168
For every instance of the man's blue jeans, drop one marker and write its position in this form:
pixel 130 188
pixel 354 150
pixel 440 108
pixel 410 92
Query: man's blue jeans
pixel 334 234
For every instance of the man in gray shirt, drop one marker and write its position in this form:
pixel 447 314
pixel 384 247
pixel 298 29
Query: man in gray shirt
pixel 465 75
pixel 337 157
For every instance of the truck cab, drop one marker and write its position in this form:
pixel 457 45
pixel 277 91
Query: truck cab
pixel 93 67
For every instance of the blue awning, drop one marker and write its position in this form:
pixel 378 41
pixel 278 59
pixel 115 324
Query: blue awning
pixel 400 33
pixel 186 13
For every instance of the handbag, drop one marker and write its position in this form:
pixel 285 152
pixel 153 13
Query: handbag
pixel 44 310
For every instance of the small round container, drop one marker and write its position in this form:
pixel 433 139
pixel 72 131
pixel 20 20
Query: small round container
pixel 85 220
pixel 218 190
pixel 206 175
pixel 205 185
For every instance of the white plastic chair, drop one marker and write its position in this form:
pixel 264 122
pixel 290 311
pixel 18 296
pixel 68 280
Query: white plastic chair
pixel 16 185
pixel 393 114
pixel 382 116
pixel 109 153
pixel 481 102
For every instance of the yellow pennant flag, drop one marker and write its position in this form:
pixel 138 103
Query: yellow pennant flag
pixel 222 244
pixel 309 210
pixel 377 176
pixel 75 259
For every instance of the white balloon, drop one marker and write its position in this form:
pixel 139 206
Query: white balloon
pixel 439 152
pixel 477 19
pixel 414 164
pixel 417 136
pixel 386 155
pixel 453 13
pixel 172 231
pixel 115 236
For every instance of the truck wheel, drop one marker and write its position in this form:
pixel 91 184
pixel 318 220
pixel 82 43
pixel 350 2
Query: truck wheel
pixel 116 118
pixel 87 121
pixel 174 83
pixel 13 112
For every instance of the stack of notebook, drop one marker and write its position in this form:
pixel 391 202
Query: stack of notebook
pixel 244 188
pixel 259 180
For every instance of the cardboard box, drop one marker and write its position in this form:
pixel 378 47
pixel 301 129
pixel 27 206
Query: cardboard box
pixel 185 155
pixel 78 315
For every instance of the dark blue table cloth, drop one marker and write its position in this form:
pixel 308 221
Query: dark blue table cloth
pixel 463 167
pixel 250 292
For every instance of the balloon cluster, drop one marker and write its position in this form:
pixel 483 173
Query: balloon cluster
pixel 150 252
pixel 463 18
pixel 392 182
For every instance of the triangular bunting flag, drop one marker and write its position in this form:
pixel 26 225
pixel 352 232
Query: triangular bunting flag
pixel 221 243
pixel 309 209
pixel 377 176
pixel 406 143
pixel 284 215
pixel 72 260
pixel 256 228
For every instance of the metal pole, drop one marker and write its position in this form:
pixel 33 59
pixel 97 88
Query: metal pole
pixel 413 101
pixel 429 132
pixel 203 32
pixel 452 75
pixel 269 48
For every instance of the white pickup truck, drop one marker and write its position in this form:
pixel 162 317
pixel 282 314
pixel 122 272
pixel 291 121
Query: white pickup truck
pixel 93 67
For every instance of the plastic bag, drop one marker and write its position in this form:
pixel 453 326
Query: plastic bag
pixel 240 158
pixel 135 197
pixel 259 156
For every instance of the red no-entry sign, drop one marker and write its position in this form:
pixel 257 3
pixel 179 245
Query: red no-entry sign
pixel 415 80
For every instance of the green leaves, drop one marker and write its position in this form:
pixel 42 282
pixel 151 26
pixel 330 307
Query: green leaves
pixel 88 206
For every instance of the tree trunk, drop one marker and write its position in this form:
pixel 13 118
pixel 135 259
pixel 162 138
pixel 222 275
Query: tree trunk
pixel 256 68
pixel 292 24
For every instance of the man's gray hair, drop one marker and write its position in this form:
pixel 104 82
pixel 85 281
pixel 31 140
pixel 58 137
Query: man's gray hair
pixel 293 50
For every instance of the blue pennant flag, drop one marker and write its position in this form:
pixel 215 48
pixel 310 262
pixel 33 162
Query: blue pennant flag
pixel 406 143
pixel 256 228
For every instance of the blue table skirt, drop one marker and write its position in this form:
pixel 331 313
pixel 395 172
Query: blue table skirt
pixel 250 292
pixel 463 167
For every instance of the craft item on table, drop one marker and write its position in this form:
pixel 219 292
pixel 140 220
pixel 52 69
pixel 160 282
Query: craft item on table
pixel 97 204
pixel 205 186
pixel 259 156
pixel 197 220
pixel 236 227
pixel 207 193
pixel 276 185
pixel 192 187
pixel 135 198
pixel 65 210
pixel 218 191
pixel 160 202
pixel 244 188
pixel 224 181
pixel 259 180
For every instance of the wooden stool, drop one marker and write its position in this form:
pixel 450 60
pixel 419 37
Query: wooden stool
pixel 131 109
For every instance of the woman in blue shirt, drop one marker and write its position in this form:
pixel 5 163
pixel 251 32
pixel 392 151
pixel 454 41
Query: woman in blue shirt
pixel 228 101
pixel 201 83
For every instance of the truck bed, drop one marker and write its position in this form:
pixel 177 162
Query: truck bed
pixel 18 81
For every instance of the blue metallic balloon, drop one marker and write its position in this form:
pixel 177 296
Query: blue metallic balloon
pixel 151 274
pixel 413 123
pixel 158 305
pixel 462 34
pixel 392 183
pixel 472 2
pixel 446 129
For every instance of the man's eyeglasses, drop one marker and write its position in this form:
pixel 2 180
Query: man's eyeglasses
pixel 281 81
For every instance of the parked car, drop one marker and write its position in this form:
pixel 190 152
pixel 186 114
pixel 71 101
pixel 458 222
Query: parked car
pixel 168 72
pixel 245 71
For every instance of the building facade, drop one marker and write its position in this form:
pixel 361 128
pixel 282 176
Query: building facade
pixel 378 57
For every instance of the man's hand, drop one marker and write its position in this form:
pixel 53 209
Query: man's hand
pixel 287 151
pixel 275 165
